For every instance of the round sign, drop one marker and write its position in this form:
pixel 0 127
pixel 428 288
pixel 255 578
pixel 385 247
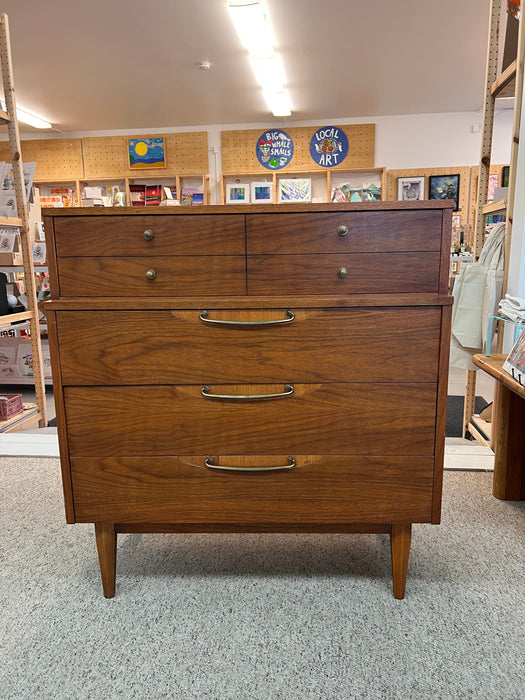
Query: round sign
pixel 329 146
pixel 274 149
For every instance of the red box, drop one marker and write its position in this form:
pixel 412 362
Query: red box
pixel 11 406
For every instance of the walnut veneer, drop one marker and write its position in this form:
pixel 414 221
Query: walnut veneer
pixel 261 368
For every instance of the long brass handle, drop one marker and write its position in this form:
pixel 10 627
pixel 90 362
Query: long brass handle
pixel 290 316
pixel 209 462
pixel 205 391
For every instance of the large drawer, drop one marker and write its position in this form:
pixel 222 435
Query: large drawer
pixel 167 235
pixel 319 489
pixel 344 273
pixel 156 276
pixel 322 232
pixel 310 345
pixel 307 419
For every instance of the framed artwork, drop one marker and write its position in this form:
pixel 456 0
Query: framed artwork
pixel 410 188
pixel 145 154
pixel 262 192
pixel 295 190
pixel 444 187
pixel 505 176
pixel 238 193
pixel 493 183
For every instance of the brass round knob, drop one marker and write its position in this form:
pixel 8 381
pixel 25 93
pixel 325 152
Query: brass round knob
pixel 342 230
pixel 342 272
pixel 148 235
pixel 151 274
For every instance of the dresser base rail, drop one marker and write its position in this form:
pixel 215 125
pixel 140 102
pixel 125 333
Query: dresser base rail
pixel 106 539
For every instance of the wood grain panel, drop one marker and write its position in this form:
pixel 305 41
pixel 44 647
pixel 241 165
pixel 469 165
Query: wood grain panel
pixel 368 232
pixel 319 489
pixel 317 418
pixel 175 275
pixel 172 235
pixel 320 345
pixel 318 274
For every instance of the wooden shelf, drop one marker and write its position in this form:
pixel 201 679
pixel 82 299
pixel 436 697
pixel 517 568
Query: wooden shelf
pixel 21 421
pixel 499 207
pixel 505 84
pixel 481 430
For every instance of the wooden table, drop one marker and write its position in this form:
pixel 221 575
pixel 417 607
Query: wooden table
pixel 508 430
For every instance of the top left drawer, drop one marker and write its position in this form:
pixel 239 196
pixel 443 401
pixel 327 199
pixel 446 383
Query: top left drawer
pixel 182 234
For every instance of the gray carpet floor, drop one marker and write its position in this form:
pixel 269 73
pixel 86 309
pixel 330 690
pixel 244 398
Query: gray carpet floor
pixel 260 617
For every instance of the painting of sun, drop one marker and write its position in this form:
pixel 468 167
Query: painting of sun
pixel 146 153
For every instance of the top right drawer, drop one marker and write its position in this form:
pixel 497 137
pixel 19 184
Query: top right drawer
pixel 364 232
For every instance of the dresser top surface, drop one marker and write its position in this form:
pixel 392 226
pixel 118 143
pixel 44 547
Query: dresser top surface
pixel 307 208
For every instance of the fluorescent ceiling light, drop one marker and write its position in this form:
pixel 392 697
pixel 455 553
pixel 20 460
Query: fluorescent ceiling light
pixel 32 119
pixel 278 102
pixel 252 26
pixel 269 73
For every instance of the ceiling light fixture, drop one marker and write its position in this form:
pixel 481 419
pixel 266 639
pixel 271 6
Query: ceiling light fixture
pixel 252 24
pixel 32 119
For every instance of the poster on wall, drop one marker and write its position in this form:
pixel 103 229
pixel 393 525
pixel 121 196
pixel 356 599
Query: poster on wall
pixel 329 146
pixel 146 153
pixel 274 149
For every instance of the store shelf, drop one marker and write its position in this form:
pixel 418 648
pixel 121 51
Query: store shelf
pixel 499 207
pixel 505 84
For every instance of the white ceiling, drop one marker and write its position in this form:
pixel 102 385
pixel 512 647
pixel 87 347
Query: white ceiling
pixel 101 65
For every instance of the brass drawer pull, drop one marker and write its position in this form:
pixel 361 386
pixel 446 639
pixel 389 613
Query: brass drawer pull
pixel 151 274
pixel 208 462
pixel 342 272
pixel 290 316
pixel 148 235
pixel 342 231
pixel 205 391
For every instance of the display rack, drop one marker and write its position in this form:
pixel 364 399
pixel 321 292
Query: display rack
pixel 31 315
pixel 508 84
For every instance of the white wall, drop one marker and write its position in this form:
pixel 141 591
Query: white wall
pixel 402 141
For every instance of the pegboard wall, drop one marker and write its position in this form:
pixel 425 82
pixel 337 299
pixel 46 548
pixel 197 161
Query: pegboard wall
pixel 56 159
pixel 107 156
pixel 239 149
pixel 464 184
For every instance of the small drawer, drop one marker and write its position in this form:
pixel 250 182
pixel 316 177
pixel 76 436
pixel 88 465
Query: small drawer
pixel 183 234
pixel 311 345
pixel 151 276
pixel 345 273
pixel 317 489
pixel 261 419
pixel 360 232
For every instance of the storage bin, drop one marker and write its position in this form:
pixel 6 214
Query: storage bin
pixel 10 405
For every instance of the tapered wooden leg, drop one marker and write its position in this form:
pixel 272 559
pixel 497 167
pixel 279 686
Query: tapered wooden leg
pixel 107 556
pixel 400 537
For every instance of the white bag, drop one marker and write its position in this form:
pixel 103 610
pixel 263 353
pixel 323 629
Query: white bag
pixel 477 290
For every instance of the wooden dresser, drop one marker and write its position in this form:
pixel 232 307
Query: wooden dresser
pixel 278 368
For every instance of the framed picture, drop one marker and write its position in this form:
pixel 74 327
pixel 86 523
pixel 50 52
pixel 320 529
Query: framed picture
pixel 262 192
pixel 505 175
pixel 238 193
pixel 410 188
pixel 145 154
pixel 295 190
pixel 444 187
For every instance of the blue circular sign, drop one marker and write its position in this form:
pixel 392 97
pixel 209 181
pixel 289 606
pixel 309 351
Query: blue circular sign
pixel 274 149
pixel 329 146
